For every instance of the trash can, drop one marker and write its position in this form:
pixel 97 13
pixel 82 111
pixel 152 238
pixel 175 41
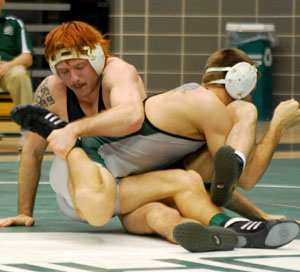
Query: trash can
pixel 256 40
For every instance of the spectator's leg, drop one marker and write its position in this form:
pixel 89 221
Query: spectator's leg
pixel 18 83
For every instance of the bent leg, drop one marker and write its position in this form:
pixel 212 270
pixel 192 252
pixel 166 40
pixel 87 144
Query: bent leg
pixel 154 218
pixel 242 138
pixel 184 188
pixel 202 163
pixel 194 203
pixel 92 188
pixel 160 219
pixel 230 159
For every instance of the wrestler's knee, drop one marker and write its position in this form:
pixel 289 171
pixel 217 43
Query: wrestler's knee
pixel 96 203
pixel 18 73
pixel 242 110
pixel 93 208
pixel 249 111
pixel 77 153
pixel 190 180
pixel 157 210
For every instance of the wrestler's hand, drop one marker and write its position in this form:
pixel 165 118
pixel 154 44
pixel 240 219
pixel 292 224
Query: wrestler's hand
pixel 286 115
pixel 19 220
pixel 273 216
pixel 61 141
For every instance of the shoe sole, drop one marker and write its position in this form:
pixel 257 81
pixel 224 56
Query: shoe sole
pixel 36 119
pixel 195 237
pixel 225 176
pixel 278 236
pixel 282 234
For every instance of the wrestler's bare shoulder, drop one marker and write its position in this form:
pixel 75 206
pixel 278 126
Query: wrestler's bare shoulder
pixel 55 84
pixel 192 93
pixel 114 63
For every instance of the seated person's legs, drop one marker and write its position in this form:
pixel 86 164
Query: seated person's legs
pixel 18 83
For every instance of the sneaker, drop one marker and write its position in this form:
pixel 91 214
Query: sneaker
pixel 226 175
pixel 36 119
pixel 263 234
pixel 195 237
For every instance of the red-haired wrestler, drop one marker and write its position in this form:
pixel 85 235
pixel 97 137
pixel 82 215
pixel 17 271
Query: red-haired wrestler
pixel 87 82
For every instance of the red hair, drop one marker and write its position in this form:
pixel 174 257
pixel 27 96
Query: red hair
pixel 74 34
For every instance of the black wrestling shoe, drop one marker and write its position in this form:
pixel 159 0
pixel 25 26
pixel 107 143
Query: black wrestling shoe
pixel 263 234
pixel 36 119
pixel 195 237
pixel 226 174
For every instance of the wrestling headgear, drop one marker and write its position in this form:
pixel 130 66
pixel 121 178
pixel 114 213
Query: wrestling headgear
pixel 239 81
pixel 95 56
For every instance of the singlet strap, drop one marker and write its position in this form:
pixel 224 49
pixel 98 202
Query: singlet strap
pixel 73 107
pixel 74 110
pixel 101 105
pixel 147 121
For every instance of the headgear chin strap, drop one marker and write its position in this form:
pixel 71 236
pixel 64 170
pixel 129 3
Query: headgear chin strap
pixel 95 56
pixel 239 81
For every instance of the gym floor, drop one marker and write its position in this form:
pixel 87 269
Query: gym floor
pixel 57 243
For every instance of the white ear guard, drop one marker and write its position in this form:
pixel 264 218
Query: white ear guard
pixel 95 56
pixel 239 80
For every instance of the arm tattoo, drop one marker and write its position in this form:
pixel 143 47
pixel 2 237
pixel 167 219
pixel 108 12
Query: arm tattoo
pixel 43 96
pixel 187 87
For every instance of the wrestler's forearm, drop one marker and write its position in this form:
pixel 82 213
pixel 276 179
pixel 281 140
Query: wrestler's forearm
pixel 262 156
pixel 23 59
pixel 243 206
pixel 115 122
pixel 29 175
pixel 121 121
